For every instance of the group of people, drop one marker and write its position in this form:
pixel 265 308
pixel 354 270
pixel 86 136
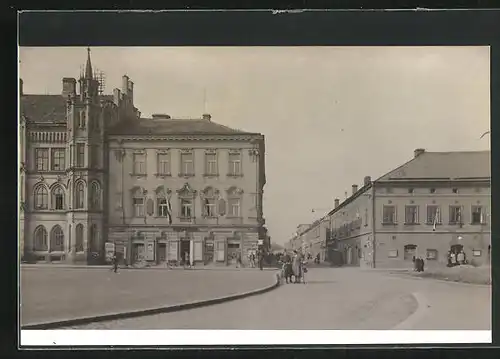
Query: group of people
pixel 456 258
pixel 293 266
pixel 419 264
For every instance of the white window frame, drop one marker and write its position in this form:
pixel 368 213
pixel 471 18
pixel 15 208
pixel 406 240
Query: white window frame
pixel 43 196
pixel 163 163
pixel 139 163
pixel 55 196
pixel 417 210
pixel 394 216
pixel 79 195
pixel 162 208
pixel 42 162
pixel 211 168
pixel 481 214
pixel 185 204
pixel 60 160
pixel 235 167
pixel 460 218
pixel 185 171
pixel 236 205
pixel 430 220
pixel 80 156
pixel 429 250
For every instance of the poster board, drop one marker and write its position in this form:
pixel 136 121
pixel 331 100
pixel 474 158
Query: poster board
pixel 109 248
pixel 172 252
pixel 198 250
pixel 150 251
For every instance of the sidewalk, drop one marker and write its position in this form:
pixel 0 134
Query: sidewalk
pixel 160 267
pixel 52 294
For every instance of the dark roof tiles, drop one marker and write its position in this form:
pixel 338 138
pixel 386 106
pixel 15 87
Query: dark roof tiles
pixel 145 126
pixel 443 165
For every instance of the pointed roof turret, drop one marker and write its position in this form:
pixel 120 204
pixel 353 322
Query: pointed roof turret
pixel 88 67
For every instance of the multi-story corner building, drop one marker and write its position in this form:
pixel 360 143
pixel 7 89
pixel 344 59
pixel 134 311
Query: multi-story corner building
pixel 94 171
pixel 435 203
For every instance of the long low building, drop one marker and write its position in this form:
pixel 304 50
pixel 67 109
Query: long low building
pixel 435 203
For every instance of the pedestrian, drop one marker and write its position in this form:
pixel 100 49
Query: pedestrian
pixel 187 261
pixel 261 260
pixel 252 259
pixel 449 259
pixel 453 259
pixel 296 266
pixel 238 260
pixel 415 264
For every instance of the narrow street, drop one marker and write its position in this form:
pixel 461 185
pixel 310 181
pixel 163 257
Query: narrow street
pixel 340 298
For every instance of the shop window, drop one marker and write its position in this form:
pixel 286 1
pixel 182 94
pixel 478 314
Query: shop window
pixel 431 254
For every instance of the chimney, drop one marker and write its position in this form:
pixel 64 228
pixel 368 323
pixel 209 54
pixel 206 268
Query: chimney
pixel 20 87
pixel 367 180
pixel 68 87
pixel 125 84
pixel 418 152
pixel 160 116
pixel 354 188
pixel 116 96
pixel 337 202
pixel 207 116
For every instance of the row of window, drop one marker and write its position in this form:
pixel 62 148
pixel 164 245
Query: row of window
pixel 54 159
pixel 212 206
pixel 187 168
pixel 430 254
pixel 56 201
pixel 456 214
pixel 431 190
pixel 56 243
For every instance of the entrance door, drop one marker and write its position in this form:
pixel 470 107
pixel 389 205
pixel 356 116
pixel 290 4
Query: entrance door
pixel 138 252
pixel 232 250
pixel 185 249
pixel 209 251
pixel 162 252
pixel 349 256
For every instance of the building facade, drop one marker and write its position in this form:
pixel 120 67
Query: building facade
pixel 94 173
pixel 435 203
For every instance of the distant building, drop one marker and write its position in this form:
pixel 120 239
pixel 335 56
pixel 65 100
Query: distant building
pixel 436 202
pixel 93 171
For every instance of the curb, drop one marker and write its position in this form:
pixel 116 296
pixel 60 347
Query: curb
pixel 416 316
pixel 151 311
pixel 414 277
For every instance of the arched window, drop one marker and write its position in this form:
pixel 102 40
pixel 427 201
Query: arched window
pixel 234 202
pixel 56 239
pixel 41 198
pixel 94 238
pixel 79 238
pixel 95 195
pixel 79 195
pixel 209 202
pixel 138 201
pixel 40 240
pixel 57 198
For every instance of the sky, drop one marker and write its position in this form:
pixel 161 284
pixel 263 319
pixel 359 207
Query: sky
pixel 330 115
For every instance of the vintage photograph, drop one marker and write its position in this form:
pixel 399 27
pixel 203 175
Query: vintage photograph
pixel 254 188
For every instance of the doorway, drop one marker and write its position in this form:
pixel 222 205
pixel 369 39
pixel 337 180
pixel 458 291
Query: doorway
pixel 410 252
pixel 209 251
pixel 162 252
pixel 456 248
pixel 184 248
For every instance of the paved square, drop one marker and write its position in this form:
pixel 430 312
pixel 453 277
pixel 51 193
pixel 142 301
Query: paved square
pixel 50 294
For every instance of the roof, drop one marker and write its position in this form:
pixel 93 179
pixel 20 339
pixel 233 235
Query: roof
pixel 443 165
pixel 146 126
pixel 46 108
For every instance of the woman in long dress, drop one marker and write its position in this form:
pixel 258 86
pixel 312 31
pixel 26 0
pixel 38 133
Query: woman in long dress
pixel 296 266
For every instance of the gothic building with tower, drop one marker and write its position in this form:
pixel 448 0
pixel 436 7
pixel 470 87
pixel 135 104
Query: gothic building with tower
pixel 93 172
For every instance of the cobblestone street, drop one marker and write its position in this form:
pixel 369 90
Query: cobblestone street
pixel 51 294
pixel 341 298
